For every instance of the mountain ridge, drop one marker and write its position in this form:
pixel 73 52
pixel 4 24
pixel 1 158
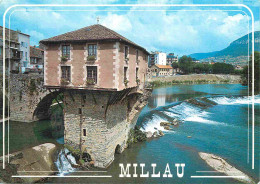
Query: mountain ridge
pixel 237 48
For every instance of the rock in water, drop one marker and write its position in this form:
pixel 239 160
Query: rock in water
pixel 155 134
pixel 161 133
pixel 220 165
pixel 164 123
pixel 175 122
pixel 167 127
pixel 149 134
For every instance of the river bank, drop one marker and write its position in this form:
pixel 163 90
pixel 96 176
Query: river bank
pixel 194 79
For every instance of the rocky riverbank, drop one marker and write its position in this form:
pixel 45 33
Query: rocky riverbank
pixel 220 165
pixel 29 162
pixel 194 79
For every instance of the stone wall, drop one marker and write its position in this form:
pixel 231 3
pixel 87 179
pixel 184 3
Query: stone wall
pixel 26 92
pixel 107 123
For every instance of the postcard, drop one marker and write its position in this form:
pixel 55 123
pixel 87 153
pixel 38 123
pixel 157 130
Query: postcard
pixel 112 91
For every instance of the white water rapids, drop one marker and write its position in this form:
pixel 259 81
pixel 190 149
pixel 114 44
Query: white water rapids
pixel 63 162
pixel 189 112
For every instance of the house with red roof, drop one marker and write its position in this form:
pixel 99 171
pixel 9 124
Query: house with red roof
pixel 94 57
pixel 161 70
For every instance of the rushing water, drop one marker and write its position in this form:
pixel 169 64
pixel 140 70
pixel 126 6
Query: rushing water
pixel 221 129
pixel 64 162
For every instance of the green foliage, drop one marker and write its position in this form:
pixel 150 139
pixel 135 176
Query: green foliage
pixel 64 58
pixel 64 82
pixel 136 135
pixel 91 58
pixel 222 68
pixel 138 81
pixel 237 72
pixel 32 86
pixel 90 82
pixel 175 65
pixel 187 65
pixel 75 152
pixel 247 74
pixel 81 161
pixel 126 82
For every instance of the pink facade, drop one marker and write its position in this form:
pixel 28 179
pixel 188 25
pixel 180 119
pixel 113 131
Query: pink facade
pixel 109 69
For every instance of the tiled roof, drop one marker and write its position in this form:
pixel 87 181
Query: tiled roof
pixel 91 33
pixel 36 52
pixel 164 66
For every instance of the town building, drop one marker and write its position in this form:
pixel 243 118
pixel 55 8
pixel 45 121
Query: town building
pixel 171 58
pixel 24 41
pixel 157 58
pixel 102 76
pixel 17 50
pixel 36 59
pixel 161 70
pixel 12 50
pixel 94 57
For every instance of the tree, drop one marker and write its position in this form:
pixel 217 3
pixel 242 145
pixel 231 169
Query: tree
pixel 222 68
pixel 247 74
pixel 186 64
pixel 175 65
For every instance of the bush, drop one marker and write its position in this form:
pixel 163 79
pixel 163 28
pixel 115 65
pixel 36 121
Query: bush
pixel 136 135
pixel 32 86
pixel 91 58
pixel 64 58
pixel 90 82
pixel 75 152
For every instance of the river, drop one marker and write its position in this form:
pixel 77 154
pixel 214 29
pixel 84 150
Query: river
pixel 221 129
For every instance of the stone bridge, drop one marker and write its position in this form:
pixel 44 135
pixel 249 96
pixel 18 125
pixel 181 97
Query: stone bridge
pixel 29 100
pixel 95 122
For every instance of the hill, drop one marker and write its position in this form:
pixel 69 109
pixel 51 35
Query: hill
pixel 237 49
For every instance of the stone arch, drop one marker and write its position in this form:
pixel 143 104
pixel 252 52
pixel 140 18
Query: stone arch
pixel 118 149
pixel 42 110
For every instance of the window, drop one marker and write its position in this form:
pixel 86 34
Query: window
pixel 0 51
pixel 92 73
pixel 84 132
pixel 137 54
pixel 26 56
pixel 92 50
pixel 65 73
pixel 126 51
pixel 66 51
pixel 125 72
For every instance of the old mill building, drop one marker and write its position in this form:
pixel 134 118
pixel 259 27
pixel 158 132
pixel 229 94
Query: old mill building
pixel 94 57
pixel 101 75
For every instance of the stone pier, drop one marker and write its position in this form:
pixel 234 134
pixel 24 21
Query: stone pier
pixel 98 122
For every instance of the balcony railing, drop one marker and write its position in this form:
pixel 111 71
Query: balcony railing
pixel 13 54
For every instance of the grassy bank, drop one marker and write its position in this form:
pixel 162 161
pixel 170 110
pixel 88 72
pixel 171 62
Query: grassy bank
pixel 193 79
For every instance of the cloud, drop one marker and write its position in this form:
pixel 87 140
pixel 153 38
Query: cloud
pixel 182 32
pixel 117 22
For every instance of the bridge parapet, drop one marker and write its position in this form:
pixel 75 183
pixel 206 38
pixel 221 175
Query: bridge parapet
pixel 26 93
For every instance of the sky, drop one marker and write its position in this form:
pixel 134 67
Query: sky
pixel 179 30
